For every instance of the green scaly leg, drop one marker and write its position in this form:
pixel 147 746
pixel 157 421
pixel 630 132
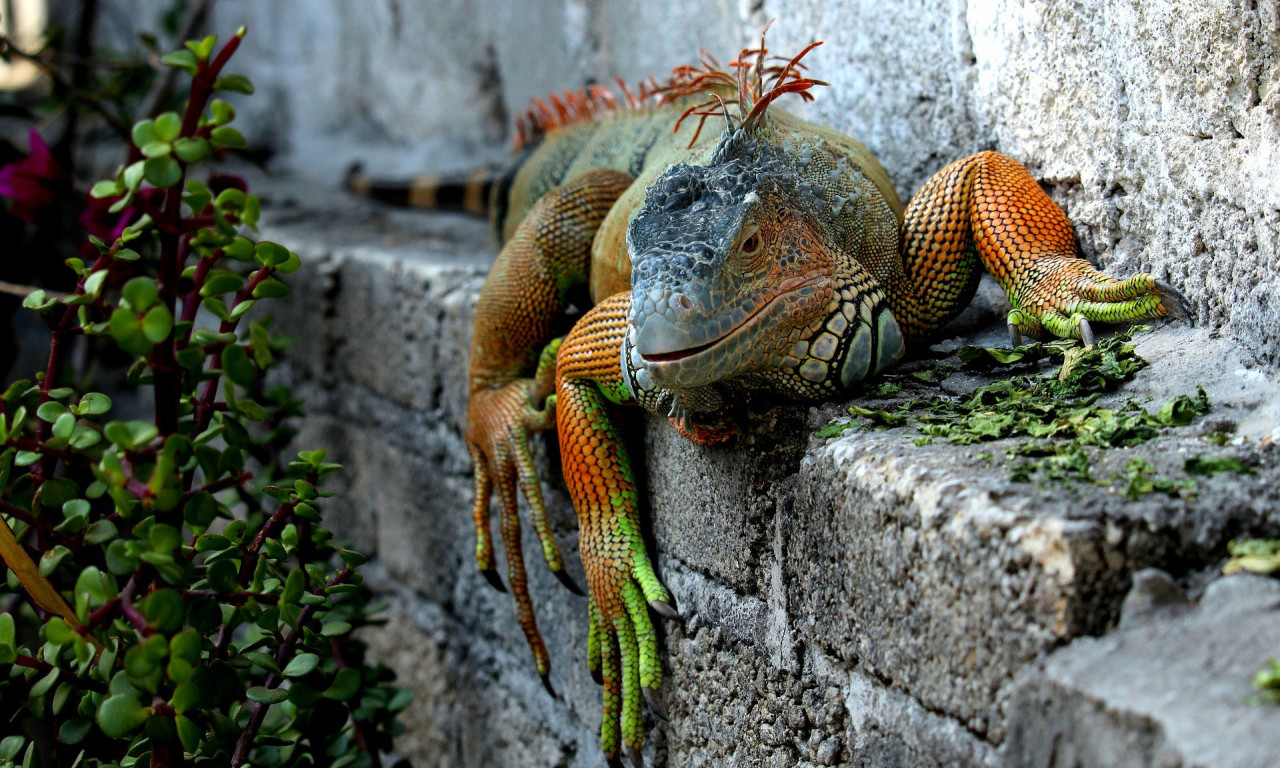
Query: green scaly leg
pixel 622 646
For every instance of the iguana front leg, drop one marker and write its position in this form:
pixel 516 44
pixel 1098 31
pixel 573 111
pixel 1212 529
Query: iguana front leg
pixel 987 204
pixel 622 649
pixel 527 289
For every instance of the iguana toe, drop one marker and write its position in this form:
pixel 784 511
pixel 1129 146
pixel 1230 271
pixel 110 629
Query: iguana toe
pixel 568 582
pixel 1086 333
pixel 494 580
pixel 1174 303
pixel 665 610
pixel 654 698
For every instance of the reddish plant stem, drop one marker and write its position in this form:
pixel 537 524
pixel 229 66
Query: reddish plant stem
pixel 285 652
pixel 32 663
pixel 130 612
pixel 204 407
pixel 40 525
pixel 219 485
pixel 171 226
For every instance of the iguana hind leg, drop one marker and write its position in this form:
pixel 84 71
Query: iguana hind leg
pixel 987 208
pixel 527 289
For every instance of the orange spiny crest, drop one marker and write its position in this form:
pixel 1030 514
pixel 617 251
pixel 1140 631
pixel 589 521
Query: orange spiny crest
pixel 741 82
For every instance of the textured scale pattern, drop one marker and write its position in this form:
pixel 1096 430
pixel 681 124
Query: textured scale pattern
pixel 774 261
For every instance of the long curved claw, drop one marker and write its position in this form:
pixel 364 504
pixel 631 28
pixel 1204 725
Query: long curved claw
pixel 494 580
pixel 1174 303
pixel 1086 333
pixel 568 582
pixel 654 697
pixel 1015 335
pixel 666 610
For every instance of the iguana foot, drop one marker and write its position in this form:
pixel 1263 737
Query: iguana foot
pixel 1069 294
pixel 499 422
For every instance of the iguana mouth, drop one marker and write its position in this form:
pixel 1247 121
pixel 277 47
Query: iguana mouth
pixel 786 288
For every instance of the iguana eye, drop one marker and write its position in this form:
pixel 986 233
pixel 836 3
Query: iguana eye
pixel 751 243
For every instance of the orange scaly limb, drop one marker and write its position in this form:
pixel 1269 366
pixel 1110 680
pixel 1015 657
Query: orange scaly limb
pixel 526 290
pixel 623 647
pixel 989 205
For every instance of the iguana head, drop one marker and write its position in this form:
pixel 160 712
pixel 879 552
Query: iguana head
pixel 739 270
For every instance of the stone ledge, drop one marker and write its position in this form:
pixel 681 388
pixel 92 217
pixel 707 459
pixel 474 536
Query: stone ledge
pixel 857 601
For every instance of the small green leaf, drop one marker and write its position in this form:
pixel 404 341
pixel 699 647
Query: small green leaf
pixel 183 60
pixel 164 538
pixel 234 83
pixel 197 196
pixel 130 435
pixel 94 403
pixel 200 510
pixel 100 531
pixel 106 188
pixel 64 426
pixel 264 695
pixel 270 289
pixel 335 629
pixel 120 714
pixel 263 661
pixel 237 366
pixel 162 172
pixel 140 293
pixel 144 133
pixel 191 150
pixel 185 697
pixel 10 746
pixel 226 136
pixel 157 324
pixel 168 126
pixel 57 632
pixel 221 281
pixel 157 149
pixel 222 112
pixel 301 665
pixel 126 328
pixel 45 684
pixel 72 732
pixel 120 561
pixel 133 175
pixel 50 411
pixel 93 283
pixel 345 684
pixel 270 255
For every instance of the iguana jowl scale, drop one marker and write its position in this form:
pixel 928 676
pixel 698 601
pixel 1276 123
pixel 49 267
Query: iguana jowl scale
pixel 775 259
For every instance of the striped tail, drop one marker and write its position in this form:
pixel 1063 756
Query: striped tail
pixel 469 193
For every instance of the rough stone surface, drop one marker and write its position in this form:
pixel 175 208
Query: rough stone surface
pixel 851 601
pixel 1165 689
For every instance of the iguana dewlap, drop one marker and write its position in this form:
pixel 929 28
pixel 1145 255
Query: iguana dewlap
pixel 772 260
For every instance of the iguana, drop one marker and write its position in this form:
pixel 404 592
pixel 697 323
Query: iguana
pixel 774 260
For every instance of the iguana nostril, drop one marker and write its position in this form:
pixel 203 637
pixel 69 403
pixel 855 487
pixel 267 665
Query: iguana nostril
pixel 681 305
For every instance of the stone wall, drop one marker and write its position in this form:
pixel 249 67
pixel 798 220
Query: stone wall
pixel 856 601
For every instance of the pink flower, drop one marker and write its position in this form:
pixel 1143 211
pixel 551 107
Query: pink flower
pixel 32 182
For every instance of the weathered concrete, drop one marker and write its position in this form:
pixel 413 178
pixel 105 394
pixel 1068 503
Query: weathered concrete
pixel 1168 688
pixel 851 601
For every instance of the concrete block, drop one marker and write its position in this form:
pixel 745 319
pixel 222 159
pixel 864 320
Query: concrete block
pixel 1164 689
